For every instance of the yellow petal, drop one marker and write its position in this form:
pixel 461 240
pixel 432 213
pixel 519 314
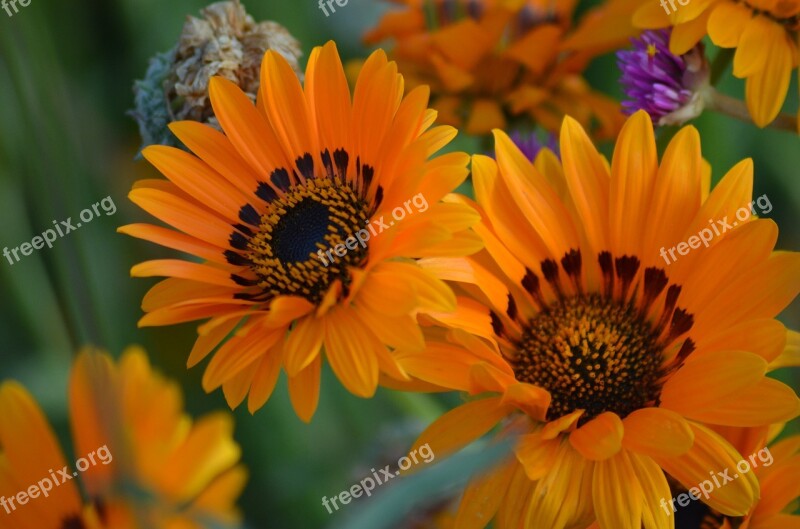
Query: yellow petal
pixel 686 35
pixel 751 55
pixel 709 455
pixel 560 503
pixel 766 89
pixel 727 22
pixel 618 497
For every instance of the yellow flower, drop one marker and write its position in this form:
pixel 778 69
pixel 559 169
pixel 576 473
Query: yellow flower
pixel 488 61
pixel 140 458
pixel 764 33
pixel 617 361
pixel 307 214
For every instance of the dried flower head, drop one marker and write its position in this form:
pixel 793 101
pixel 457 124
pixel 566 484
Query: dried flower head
pixel 225 41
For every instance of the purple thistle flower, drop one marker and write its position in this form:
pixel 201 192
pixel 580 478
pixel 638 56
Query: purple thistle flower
pixel 665 85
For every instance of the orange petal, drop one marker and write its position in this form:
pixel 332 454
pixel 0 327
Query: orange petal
pixel 286 107
pixel 708 380
pixel 303 343
pixel 459 427
pixel 633 171
pixel 29 451
pixel 304 390
pixel 183 270
pixel 588 181
pixel 245 127
pixel 764 403
pixel 600 438
pixel 483 496
pixel 657 431
pixel 350 353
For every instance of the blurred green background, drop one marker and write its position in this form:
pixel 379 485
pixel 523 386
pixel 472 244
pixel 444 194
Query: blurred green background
pixel 66 71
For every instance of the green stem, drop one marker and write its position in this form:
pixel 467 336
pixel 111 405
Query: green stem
pixel 721 62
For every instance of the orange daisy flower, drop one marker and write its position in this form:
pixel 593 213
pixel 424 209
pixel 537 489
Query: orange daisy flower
pixel 142 461
pixel 608 363
pixel 488 61
pixel 307 214
pixel 764 33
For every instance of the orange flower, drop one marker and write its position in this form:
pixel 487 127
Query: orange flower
pixel 491 60
pixel 145 463
pixel 607 363
pixel 292 180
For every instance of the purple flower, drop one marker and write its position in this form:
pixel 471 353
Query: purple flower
pixel 665 85
pixel 530 144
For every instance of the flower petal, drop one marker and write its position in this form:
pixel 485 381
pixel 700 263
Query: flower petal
pixel 657 431
pixel 600 438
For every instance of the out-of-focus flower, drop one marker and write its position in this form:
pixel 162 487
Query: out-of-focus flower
pixel 145 463
pixel 530 144
pixel 764 33
pixel 668 87
pixel 487 60
pixel 606 364
pixel 265 206
pixel 225 42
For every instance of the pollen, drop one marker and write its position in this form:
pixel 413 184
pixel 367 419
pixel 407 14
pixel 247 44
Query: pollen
pixel 591 353
pixel 291 247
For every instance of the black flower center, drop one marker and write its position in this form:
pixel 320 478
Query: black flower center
pixel 591 353
pixel 307 239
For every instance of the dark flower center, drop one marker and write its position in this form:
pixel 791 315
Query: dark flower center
pixel 294 249
pixel 591 353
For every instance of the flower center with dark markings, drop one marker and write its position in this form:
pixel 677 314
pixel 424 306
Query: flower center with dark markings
pixel 591 353
pixel 284 252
